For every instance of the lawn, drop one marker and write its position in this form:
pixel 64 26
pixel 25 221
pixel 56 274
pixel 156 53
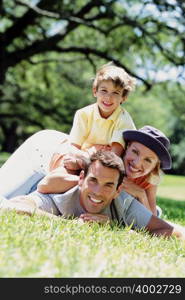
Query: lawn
pixel 171 198
pixel 172 187
pixel 41 247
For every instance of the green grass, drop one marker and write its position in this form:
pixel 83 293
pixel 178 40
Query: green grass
pixel 171 198
pixel 172 187
pixel 41 247
pixel 38 247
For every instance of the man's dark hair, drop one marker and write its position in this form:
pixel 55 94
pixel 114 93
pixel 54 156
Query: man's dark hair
pixel 107 159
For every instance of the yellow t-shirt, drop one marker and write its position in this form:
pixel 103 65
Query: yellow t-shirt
pixel 90 128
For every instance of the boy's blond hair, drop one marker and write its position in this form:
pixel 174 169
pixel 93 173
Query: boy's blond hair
pixel 118 75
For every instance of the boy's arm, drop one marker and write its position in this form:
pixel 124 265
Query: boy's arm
pixel 124 121
pixel 74 152
pixel 79 130
pixel 77 136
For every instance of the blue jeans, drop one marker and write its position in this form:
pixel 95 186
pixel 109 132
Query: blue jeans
pixel 23 170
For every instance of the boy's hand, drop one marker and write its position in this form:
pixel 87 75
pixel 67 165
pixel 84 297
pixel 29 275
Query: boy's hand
pixel 98 147
pixel 101 219
pixel 102 147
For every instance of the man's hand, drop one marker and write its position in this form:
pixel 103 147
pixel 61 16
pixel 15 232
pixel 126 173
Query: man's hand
pixel 101 219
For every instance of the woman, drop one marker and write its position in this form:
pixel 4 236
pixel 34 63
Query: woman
pixel 146 155
pixel 37 163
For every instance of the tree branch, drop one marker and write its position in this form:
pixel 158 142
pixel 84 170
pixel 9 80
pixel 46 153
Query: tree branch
pixel 59 60
pixel 23 22
pixel 38 10
pixel 106 56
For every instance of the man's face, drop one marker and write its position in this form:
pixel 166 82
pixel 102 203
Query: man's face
pixel 98 188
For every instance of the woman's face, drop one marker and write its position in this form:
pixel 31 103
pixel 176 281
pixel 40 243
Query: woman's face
pixel 139 160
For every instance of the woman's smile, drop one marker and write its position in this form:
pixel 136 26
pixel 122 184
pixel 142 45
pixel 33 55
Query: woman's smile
pixel 139 160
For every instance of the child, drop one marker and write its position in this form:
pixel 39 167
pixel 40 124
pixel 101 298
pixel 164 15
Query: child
pixel 100 125
pixel 54 160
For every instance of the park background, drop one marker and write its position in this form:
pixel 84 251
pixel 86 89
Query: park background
pixel 49 54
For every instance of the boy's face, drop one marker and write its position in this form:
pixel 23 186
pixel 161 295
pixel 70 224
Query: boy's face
pixel 109 97
pixel 98 188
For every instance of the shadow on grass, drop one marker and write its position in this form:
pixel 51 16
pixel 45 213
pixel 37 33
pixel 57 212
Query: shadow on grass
pixel 172 209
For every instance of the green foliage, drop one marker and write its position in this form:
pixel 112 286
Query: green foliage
pixel 45 96
pixel 142 105
pixel 175 94
pixel 50 52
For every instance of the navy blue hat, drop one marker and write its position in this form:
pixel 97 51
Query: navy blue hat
pixel 155 140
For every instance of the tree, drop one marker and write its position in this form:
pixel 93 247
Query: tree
pixel 30 29
pixel 145 37
pixel 176 98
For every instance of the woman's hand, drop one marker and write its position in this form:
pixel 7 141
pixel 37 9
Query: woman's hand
pixel 136 191
pixel 98 218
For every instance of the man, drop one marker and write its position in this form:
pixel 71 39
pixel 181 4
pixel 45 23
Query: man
pixel 96 198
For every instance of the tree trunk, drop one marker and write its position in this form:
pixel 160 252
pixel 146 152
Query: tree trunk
pixel 10 141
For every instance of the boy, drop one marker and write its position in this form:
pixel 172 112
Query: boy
pixel 96 126
pixel 100 125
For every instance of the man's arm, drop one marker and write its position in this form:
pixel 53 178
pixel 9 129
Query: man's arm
pixel 24 205
pixel 138 216
pixel 160 227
